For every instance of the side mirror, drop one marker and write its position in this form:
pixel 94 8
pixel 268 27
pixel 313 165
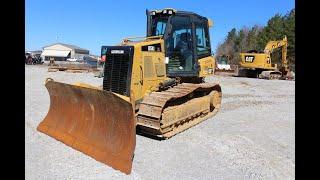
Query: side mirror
pixel 210 23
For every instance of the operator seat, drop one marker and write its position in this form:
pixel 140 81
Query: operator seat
pixel 184 45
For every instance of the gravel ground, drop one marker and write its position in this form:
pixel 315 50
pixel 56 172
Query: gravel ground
pixel 251 137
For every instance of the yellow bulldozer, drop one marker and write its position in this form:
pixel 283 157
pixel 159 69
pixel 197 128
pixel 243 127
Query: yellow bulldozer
pixel 153 85
pixel 259 65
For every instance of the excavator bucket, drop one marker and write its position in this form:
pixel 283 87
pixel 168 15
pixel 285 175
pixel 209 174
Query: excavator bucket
pixel 95 122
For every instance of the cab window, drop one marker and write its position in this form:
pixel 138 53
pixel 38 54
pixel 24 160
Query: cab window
pixel 158 26
pixel 202 38
pixel 179 45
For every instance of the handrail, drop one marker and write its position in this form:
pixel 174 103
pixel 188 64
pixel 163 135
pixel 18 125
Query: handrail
pixel 142 37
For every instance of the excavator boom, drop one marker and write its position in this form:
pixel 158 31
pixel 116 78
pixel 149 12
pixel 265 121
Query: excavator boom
pixel 277 44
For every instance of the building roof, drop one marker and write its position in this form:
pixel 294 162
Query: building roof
pixel 68 45
pixel 35 52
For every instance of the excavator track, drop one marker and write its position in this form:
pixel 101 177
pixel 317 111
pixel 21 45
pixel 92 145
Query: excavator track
pixel 270 75
pixel 167 113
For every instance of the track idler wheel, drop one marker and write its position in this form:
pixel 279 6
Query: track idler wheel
pixel 215 100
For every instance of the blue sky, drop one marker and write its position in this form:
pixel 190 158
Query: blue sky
pixel 91 24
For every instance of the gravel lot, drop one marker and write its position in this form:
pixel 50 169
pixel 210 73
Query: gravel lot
pixel 252 137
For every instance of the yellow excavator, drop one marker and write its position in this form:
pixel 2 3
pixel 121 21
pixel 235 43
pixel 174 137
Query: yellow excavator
pixel 153 85
pixel 254 64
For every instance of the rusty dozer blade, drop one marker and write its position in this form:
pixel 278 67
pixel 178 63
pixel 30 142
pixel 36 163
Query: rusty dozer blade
pixel 95 122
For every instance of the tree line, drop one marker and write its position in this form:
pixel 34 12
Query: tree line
pixel 256 38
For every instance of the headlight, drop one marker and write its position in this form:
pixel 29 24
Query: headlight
pixel 164 11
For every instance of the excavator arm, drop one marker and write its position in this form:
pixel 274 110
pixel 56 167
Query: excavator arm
pixel 277 44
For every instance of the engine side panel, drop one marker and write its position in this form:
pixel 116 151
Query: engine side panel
pixel 207 66
pixel 148 68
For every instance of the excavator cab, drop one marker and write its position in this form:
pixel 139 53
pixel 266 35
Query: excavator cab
pixel 186 37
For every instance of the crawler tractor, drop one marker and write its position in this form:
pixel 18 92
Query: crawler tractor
pixel 154 84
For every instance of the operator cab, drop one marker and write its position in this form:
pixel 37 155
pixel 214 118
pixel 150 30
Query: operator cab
pixel 222 60
pixel 186 38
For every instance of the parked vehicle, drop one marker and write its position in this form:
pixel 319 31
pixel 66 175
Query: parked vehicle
pixel 256 64
pixel 31 58
pixel 72 59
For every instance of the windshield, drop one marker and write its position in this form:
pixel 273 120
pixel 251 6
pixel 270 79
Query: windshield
pixel 222 60
pixel 159 26
pixel 179 45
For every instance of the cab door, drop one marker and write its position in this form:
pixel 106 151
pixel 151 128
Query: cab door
pixel 179 46
pixel 202 39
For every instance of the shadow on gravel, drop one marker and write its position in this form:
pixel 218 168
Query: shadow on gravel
pixel 140 133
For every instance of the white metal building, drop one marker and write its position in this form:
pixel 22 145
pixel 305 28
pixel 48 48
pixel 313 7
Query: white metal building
pixel 60 52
